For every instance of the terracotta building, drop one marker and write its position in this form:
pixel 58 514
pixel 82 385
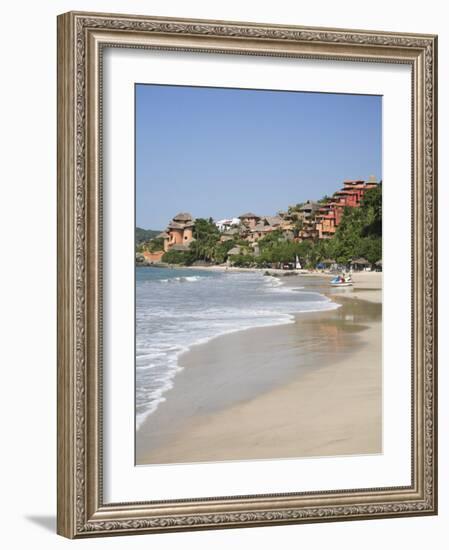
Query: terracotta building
pixel 320 220
pixel 249 219
pixel 153 257
pixel 179 233
pixel 326 221
pixel 255 227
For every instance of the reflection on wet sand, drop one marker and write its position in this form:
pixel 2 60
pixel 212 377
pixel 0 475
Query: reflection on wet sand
pixel 312 388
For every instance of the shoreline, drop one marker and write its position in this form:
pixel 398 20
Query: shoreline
pixel 198 425
pixel 232 269
pixel 281 319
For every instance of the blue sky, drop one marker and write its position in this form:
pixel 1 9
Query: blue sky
pixel 220 152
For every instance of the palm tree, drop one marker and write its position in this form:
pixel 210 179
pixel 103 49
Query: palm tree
pixel 206 237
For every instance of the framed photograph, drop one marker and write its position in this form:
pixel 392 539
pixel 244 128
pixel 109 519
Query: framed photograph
pixel 246 274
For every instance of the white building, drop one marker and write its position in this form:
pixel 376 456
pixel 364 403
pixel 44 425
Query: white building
pixel 225 224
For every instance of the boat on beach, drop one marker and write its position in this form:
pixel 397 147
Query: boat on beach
pixel 341 281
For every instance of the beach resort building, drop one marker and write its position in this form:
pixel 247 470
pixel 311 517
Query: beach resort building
pixel 306 216
pixel 256 227
pixel 227 224
pixel 179 233
pixel 307 210
pixel 322 220
pixel 249 220
pixel 326 221
pixel 353 190
pixel 230 234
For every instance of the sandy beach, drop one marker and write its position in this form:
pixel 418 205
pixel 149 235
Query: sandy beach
pixel 307 389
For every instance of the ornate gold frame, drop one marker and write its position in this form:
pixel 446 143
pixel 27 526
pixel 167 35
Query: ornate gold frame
pixel 81 37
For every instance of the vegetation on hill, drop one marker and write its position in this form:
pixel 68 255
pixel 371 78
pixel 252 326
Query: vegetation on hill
pixel 155 245
pixel 144 236
pixel 359 233
pixel 147 241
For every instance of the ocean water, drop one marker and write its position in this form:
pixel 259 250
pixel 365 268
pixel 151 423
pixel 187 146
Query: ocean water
pixel 179 308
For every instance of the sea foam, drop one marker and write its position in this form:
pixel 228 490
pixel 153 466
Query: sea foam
pixel 171 318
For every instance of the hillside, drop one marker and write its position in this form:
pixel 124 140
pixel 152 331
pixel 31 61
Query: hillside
pixel 143 235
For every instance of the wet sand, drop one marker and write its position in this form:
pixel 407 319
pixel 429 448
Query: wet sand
pixel 311 388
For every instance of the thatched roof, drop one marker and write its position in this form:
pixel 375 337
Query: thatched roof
pixel 176 225
pixel 260 227
pixel 379 262
pixel 234 251
pixel 249 215
pixel 183 217
pixel 309 205
pixel 273 220
pixel 328 261
pixel 232 231
pixel 360 261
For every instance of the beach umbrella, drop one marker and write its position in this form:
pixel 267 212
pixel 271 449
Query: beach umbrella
pixel 360 261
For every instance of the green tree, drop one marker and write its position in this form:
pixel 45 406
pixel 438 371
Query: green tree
pixel 243 260
pixel 324 199
pixel 372 207
pixel 206 236
pixel 178 257
pixel 360 230
pixel 144 235
pixel 297 227
pixel 155 245
pixel 221 250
